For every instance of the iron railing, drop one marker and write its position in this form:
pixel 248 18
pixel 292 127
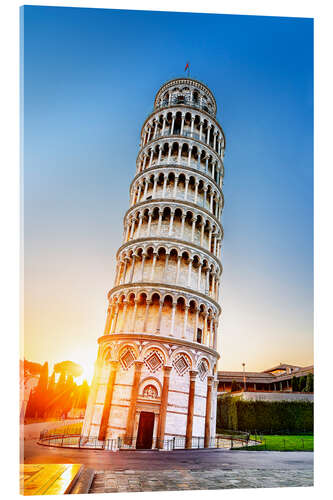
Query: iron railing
pixel 73 440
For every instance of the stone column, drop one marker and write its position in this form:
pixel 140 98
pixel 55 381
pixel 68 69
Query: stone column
pixel 134 396
pixel 169 152
pixel 140 224
pixel 108 320
pixel 179 258
pixel 200 131
pixel 199 159
pixel 192 125
pixel 175 188
pixel 149 222
pixel 208 410
pixel 155 129
pixel 208 133
pixel 159 317
pixel 153 266
pixel 173 313
pixel 190 260
pixel 151 157
pixel 172 124
pixel 196 191
pixel 108 400
pixel 146 188
pixel 115 317
pixel 211 201
pixel 171 222
pixel 196 324
pixel 205 329
pixel 148 302
pixel 202 232
pixel 185 321
pixel 163 407
pixel 182 124
pixel 210 239
pixel 182 227
pixel 125 269
pixel 127 229
pixel 154 187
pixel 132 268
pixel 207 281
pixel 159 154
pixel 190 409
pixel 189 156
pixel 136 301
pixel 165 272
pixel 142 265
pixel 194 220
pixel 139 193
pixel 164 185
pixel 123 319
pixel 199 277
pixel 163 127
pixel 160 215
pixel 204 197
pixel 187 180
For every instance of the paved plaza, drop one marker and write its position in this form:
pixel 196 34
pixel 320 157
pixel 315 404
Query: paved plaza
pixel 209 479
pixel 181 470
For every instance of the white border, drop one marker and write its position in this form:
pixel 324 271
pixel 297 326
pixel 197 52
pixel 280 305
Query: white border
pixel 9 211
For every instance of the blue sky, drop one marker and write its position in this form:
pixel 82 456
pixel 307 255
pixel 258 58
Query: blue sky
pixel 90 77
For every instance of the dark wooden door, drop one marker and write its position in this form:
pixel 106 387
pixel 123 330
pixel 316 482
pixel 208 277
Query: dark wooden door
pixel 144 438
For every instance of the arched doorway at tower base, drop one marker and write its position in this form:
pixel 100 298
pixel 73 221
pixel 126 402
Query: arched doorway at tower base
pixel 144 438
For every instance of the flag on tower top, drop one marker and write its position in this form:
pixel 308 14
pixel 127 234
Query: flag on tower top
pixel 187 66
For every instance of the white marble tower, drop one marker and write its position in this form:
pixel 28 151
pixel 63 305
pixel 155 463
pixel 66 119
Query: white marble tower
pixel 155 374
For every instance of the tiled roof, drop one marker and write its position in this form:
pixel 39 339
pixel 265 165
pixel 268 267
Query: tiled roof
pixel 265 376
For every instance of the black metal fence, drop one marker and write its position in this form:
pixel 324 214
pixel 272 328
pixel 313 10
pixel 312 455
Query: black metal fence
pixel 74 440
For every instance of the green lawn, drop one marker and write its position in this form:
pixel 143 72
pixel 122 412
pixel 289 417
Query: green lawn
pixel 283 443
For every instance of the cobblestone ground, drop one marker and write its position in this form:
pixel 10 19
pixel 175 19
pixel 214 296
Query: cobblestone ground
pixel 212 479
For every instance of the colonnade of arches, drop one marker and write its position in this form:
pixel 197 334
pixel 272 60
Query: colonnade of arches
pixel 186 124
pixel 173 266
pixel 109 352
pixel 176 222
pixel 162 314
pixel 178 184
pixel 181 152
pixel 189 95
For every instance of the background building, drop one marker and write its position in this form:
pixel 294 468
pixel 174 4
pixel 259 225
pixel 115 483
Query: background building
pixel 155 375
pixel 278 378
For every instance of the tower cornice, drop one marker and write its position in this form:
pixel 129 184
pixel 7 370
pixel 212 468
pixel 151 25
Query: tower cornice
pixel 171 201
pixel 172 166
pixel 182 138
pixel 172 241
pixel 160 286
pixel 160 338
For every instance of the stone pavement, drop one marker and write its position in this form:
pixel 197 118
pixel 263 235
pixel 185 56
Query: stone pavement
pixel 211 479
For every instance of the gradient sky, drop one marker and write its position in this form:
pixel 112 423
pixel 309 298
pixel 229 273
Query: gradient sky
pixel 90 77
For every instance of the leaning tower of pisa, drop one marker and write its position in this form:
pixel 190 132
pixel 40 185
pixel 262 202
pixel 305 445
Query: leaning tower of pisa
pixel 155 374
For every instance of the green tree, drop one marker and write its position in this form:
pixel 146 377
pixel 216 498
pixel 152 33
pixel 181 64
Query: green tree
pixel 295 384
pixel 309 383
pixel 39 396
pixel 302 384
